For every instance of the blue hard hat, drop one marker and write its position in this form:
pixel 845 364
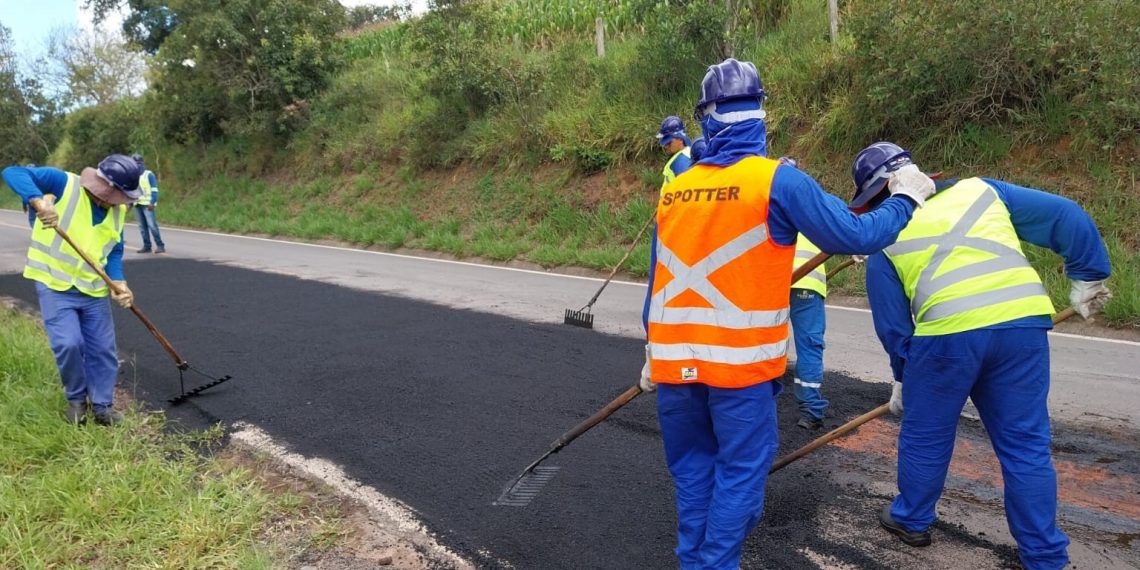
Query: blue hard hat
pixel 672 127
pixel 728 80
pixel 872 167
pixel 122 172
pixel 698 148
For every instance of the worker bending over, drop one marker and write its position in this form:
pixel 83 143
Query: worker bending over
pixel 962 315
pixel 91 208
pixel 716 312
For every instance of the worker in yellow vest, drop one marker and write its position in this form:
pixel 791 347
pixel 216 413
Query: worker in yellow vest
pixel 91 208
pixel 145 209
pixel 673 140
pixel 962 315
pixel 716 310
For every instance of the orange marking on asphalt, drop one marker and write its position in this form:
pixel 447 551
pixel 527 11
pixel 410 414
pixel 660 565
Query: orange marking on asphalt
pixel 1079 485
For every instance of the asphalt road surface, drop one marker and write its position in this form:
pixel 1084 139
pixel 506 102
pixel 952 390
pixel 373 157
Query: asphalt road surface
pixel 435 383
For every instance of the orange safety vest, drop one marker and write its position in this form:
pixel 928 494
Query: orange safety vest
pixel 718 314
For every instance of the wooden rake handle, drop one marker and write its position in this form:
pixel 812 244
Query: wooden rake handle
pixel 178 360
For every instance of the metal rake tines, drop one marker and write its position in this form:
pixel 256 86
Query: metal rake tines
pixel 187 394
pixel 523 492
pixel 581 318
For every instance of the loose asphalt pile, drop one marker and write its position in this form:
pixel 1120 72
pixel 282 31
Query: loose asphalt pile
pixel 441 409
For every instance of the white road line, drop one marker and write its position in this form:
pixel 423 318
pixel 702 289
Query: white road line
pixel 529 271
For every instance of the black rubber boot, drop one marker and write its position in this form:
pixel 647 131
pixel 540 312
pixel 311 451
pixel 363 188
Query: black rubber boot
pixel 108 417
pixel 810 424
pixel 911 538
pixel 76 413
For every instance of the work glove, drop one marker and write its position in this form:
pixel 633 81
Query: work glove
pixel 646 384
pixel 909 181
pixel 896 399
pixel 150 207
pixel 859 258
pixel 122 295
pixel 45 210
pixel 1089 297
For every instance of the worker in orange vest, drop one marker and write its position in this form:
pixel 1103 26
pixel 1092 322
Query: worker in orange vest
pixel 716 312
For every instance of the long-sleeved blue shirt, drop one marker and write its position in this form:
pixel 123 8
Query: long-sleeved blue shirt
pixel 681 163
pixel 33 182
pixel 153 184
pixel 1040 218
pixel 797 204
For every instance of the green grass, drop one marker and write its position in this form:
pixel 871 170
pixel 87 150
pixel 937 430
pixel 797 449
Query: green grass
pixel 129 497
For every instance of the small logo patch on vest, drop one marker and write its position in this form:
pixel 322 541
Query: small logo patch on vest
pixel 688 374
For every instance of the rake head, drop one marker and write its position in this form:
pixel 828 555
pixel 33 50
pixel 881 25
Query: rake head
pixel 187 394
pixel 523 491
pixel 581 318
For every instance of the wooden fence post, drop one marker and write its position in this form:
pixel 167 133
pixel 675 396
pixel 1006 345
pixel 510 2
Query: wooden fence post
pixel 600 35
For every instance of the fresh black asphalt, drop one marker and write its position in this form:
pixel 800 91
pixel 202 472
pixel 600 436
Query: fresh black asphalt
pixel 441 408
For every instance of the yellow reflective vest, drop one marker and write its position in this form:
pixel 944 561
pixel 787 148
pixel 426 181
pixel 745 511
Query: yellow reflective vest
pixel 144 184
pixel 961 264
pixel 53 262
pixel 817 279
pixel 667 172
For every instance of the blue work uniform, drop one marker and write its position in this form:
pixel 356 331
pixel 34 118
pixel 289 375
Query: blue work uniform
pixel 144 211
pixel 80 327
pixel 720 442
pixel 1002 367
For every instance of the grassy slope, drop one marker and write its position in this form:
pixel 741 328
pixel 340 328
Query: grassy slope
pixel 132 496
pixel 513 185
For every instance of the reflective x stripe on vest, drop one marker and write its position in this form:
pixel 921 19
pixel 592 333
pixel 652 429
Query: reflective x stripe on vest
pixel 817 279
pixel 961 264
pixel 144 184
pixel 668 171
pixel 55 263
pixel 718 312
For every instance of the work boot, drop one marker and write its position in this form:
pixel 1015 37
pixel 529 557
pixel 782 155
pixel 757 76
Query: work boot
pixel 144 249
pixel 76 412
pixel 161 249
pixel 108 417
pixel 911 538
pixel 810 424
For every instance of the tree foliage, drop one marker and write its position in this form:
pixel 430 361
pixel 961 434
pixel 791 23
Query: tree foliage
pixel 246 66
pixel 96 67
pixel 27 117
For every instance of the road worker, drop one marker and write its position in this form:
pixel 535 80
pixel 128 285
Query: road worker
pixel 962 315
pixel 809 323
pixel 91 208
pixel 673 140
pixel 716 311
pixel 145 209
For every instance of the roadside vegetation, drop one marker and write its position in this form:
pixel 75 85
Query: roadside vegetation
pixel 139 495
pixel 491 128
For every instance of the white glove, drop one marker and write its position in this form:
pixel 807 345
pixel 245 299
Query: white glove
pixel 45 210
pixel 896 399
pixel 122 295
pixel 1089 297
pixel 859 258
pixel 646 384
pixel 909 181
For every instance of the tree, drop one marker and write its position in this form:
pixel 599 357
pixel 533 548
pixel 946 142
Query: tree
pixel 147 23
pixel 98 68
pixel 28 119
pixel 359 17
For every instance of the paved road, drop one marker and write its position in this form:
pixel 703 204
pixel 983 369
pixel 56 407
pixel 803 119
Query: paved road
pixel 440 407
pixel 1095 381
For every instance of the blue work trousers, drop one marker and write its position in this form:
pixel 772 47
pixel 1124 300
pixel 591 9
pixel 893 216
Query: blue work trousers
pixel 148 225
pixel 82 336
pixel 719 445
pixel 1006 373
pixel 809 322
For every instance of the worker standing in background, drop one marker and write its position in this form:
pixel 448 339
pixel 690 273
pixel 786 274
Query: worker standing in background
pixel 92 209
pixel 809 323
pixel 145 208
pixel 716 311
pixel 672 138
pixel 962 315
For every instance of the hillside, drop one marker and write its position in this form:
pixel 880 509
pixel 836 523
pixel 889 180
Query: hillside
pixel 493 129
